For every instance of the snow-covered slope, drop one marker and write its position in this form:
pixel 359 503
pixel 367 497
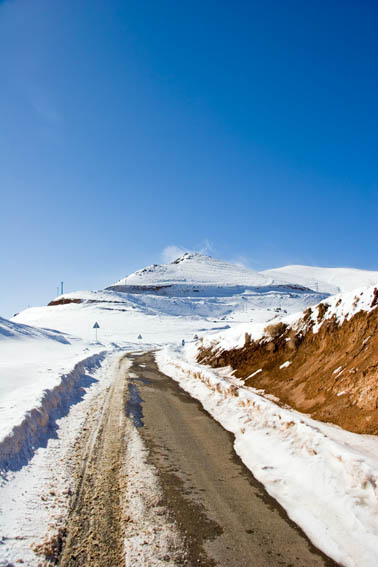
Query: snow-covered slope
pixel 172 302
pixel 198 271
pixel 12 330
pixel 325 280
pixel 38 381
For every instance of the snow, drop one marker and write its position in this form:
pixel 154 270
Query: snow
pixel 9 329
pixel 254 373
pixel 341 307
pixel 33 362
pixel 197 269
pixel 326 280
pixel 344 306
pixel 35 358
pixel 163 319
pixel 46 374
pixel 326 478
pixel 34 500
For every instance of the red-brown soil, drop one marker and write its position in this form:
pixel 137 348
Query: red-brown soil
pixel 63 301
pixel 347 397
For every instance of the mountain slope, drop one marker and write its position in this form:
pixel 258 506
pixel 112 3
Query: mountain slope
pixel 12 330
pixel 325 280
pixel 197 269
pixel 173 302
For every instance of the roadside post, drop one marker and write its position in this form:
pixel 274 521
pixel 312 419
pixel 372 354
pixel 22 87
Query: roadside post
pixel 96 326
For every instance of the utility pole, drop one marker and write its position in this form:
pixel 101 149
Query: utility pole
pixel 61 288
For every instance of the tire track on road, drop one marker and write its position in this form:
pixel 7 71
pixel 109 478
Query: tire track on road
pixel 95 527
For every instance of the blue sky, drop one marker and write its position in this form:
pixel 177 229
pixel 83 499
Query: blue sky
pixel 247 129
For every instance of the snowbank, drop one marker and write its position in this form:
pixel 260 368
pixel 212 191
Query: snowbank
pixel 39 423
pixel 35 500
pixel 326 478
pixel 42 372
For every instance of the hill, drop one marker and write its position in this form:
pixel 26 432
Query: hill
pixel 325 280
pixel 171 302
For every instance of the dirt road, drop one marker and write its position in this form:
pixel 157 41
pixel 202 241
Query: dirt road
pixel 225 515
pixel 221 514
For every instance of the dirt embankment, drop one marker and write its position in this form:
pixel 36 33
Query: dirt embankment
pixel 331 374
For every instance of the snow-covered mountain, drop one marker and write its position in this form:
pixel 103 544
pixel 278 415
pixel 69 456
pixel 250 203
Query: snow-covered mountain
pixel 168 302
pixel 204 275
pixel 324 280
pixel 196 270
pixel 193 294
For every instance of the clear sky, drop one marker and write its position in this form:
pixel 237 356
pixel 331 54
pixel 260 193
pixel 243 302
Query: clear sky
pixel 245 128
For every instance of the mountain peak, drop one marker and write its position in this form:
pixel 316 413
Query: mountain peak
pixel 189 256
pixel 194 268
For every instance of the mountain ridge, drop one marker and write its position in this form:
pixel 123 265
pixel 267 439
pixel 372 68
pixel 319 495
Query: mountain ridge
pixel 193 268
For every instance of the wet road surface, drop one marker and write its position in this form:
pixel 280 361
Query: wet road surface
pixel 225 516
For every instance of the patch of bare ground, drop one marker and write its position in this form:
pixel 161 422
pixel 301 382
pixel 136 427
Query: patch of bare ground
pixel 331 374
pixel 63 301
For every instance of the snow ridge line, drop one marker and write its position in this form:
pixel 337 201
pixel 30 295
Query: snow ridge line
pixel 39 423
